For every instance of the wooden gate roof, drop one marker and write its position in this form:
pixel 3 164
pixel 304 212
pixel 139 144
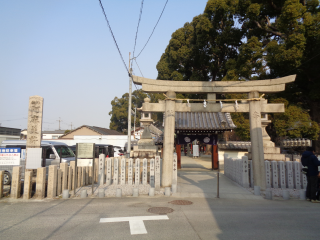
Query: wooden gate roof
pixel 207 122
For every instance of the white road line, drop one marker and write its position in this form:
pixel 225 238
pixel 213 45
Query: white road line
pixel 137 227
pixel 136 223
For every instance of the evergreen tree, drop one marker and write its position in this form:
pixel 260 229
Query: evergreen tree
pixel 238 40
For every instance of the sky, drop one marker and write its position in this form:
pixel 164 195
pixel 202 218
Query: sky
pixel 63 51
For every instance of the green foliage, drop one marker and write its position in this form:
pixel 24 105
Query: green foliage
pixel 250 40
pixel 119 112
pixel 295 123
pixel 243 126
pixel 67 131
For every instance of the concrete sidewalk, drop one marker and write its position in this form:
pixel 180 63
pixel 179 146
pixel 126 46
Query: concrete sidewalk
pixel 196 179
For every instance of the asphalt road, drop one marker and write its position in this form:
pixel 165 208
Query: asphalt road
pixel 204 219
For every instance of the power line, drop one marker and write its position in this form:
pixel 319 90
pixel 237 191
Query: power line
pixel 301 64
pixel 153 28
pixel 135 41
pixel 12 119
pixel 115 42
pixel 138 66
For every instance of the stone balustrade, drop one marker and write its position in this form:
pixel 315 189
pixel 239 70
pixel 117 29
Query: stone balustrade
pixel 279 174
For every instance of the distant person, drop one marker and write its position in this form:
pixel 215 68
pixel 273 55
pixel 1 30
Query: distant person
pixel 310 161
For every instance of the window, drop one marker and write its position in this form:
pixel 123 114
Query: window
pixel 146 115
pixel 48 152
pixel 64 151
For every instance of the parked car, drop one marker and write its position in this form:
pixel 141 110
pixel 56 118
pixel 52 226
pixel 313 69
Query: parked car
pixel 53 153
pixel 99 149
pixel 118 151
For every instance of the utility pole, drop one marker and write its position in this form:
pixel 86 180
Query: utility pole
pixel 129 111
pixel 134 126
pixel 59 122
pixel 71 126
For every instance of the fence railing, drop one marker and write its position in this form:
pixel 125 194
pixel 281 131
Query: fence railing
pixel 108 171
pixel 279 174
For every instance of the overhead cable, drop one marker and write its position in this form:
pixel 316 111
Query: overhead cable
pixel 105 15
pixel 138 66
pixel 153 28
pixel 135 41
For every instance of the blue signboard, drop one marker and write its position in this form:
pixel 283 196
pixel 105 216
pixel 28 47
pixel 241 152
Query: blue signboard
pixel 10 156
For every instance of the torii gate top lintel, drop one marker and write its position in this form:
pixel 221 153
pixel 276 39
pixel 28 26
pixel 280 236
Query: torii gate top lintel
pixel 163 86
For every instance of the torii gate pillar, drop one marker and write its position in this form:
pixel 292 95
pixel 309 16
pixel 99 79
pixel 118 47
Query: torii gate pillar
pixel 256 141
pixel 168 141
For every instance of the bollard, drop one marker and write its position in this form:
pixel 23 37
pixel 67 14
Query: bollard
pixel 303 195
pixel 151 192
pixel 135 192
pixel 269 194
pixel 65 194
pixel 257 190
pixel 167 191
pixel 1 183
pixel 174 188
pixel 84 194
pixel 28 185
pixel 119 192
pixel 101 193
pixel 285 194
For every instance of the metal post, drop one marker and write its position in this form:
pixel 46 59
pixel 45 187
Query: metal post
pixel 93 161
pixel 134 126
pixel 218 184
pixel 129 112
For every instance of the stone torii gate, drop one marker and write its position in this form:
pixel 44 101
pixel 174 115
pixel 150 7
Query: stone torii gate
pixel 254 105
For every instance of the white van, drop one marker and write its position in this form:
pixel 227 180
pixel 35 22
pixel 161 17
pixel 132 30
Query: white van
pixel 53 153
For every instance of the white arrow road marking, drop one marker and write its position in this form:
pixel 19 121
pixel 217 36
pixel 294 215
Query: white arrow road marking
pixel 136 223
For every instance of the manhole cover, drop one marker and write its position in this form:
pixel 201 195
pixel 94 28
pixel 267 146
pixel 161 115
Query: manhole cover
pixel 160 210
pixel 181 202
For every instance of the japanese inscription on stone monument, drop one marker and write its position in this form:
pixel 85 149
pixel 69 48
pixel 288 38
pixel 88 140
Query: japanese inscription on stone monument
pixel 34 122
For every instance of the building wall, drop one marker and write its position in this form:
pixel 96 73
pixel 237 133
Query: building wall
pixel 84 131
pixel 8 137
pixel 115 140
pixel 51 136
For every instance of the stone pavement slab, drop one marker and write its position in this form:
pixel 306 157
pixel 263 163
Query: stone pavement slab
pixel 195 179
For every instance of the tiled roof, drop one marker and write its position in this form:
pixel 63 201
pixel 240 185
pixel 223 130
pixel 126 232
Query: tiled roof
pixel 235 145
pixel 101 131
pixel 54 132
pixel 104 131
pixel 203 121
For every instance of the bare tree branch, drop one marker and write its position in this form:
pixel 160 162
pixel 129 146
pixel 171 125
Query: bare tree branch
pixel 274 6
pixel 269 24
pixel 270 31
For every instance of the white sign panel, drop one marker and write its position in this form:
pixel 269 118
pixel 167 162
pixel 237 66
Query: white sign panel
pixel 34 158
pixel 196 150
pixel 10 156
pixel 85 150
pixel 84 162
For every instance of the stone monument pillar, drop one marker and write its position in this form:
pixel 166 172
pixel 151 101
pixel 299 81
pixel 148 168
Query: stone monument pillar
pixel 35 122
pixel 169 125
pixel 257 142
